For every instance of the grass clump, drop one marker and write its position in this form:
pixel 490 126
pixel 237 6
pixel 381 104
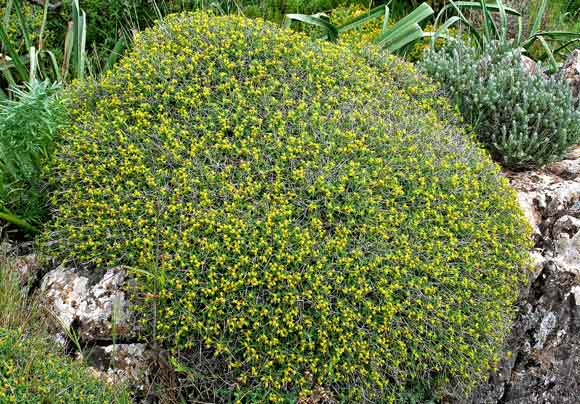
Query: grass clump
pixel 304 219
pixel 524 119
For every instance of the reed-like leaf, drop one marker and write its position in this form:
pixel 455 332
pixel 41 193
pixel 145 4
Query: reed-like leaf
pixel 549 52
pixel 22 24
pixel 476 5
pixel 405 25
pixel 320 20
pixel 538 17
pixel 403 38
pixel 16 60
pixel 443 28
pixel 362 19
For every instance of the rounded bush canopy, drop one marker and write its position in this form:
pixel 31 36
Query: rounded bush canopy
pixel 305 220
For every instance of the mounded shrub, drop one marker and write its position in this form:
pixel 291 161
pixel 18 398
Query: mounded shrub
pixel 525 120
pixel 305 220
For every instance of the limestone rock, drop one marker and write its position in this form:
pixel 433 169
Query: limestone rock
pixel 567 252
pixel 541 361
pixel 90 306
pixel 28 268
pixel 530 67
pixel 570 72
pixel 121 362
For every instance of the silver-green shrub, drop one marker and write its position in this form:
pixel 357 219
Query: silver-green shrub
pixel 524 119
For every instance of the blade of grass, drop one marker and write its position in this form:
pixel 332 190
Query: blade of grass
pixel 22 24
pixel 7 14
pixel 115 53
pixel 40 45
pixel 503 20
pixel 54 64
pixel 386 19
pixel 538 18
pixel 546 47
pixel 562 47
pixel 18 65
pixel 470 27
pixel 33 64
pixel 23 224
pixel 477 5
pixel 68 44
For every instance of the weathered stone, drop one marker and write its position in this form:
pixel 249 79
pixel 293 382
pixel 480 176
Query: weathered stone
pixel 541 363
pixel 28 268
pixel 566 224
pixel 567 252
pixel 121 362
pixel 568 169
pixel 570 72
pixel 91 308
pixel 533 215
pixel 531 67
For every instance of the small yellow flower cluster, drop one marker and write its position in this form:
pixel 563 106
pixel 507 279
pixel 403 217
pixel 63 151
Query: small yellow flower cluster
pixel 313 217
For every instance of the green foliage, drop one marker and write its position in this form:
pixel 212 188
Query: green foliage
pixel 303 219
pixel 28 127
pixel 32 368
pixel 391 37
pixel 23 61
pixel 493 27
pixel 110 20
pixel 525 120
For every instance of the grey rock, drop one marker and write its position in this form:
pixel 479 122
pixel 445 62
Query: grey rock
pixel 541 361
pixel 568 169
pixel 567 252
pixel 570 72
pixel 531 67
pixel 28 268
pixel 129 363
pixel 91 307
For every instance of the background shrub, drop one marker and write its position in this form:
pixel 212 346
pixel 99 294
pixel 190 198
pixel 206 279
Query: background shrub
pixel 28 127
pixel 525 120
pixel 304 219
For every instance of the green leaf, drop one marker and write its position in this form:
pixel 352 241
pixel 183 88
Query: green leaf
pixel 115 53
pixel 471 28
pixel 15 220
pixel 538 18
pixel 443 28
pixel 362 19
pixel 22 24
pixel 404 37
pixel 16 60
pixel 503 20
pixel 477 5
pixel 331 32
pixel 549 52
pixel 562 47
pixel 405 25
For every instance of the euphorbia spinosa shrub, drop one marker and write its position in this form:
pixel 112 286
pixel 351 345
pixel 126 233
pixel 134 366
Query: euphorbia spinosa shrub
pixel 305 220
